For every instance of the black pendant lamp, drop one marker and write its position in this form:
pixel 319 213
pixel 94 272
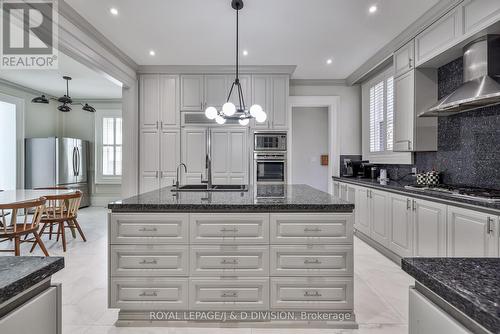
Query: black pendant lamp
pixel 40 99
pixel 229 110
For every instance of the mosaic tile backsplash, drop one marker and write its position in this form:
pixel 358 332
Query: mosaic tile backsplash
pixel 468 143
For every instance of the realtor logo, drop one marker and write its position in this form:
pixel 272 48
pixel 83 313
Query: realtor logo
pixel 28 38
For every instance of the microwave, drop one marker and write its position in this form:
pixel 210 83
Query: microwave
pixel 269 141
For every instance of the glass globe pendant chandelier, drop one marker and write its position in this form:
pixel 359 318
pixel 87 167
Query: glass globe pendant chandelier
pixel 229 110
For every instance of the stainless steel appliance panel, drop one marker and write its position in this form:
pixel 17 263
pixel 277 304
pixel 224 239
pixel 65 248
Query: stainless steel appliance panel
pixel 81 160
pixel 67 161
pixel 40 152
pixel 270 141
pixel 270 167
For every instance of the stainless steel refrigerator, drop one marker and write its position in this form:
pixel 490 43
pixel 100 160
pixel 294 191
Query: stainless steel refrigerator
pixel 61 162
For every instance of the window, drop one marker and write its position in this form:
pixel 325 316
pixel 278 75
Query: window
pixel 381 115
pixel 108 146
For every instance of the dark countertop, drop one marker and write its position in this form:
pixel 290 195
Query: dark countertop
pixel 472 285
pixel 297 198
pixel 19 273
pixel 399 186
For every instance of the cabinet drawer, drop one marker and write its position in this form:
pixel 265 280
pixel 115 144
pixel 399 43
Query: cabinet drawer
pixel 145 294
pixel 136 228
pixel 311 228
pixel 229 294
pixel 229 229
pixel 229 260
pixel 312 293
pixel 149 260
pixel 318 260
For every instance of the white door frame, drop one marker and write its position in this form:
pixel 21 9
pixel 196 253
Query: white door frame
pixel 332 103
pixel 19 103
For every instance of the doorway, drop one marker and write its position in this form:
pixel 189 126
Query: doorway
pixel 310 143
pixel 8 147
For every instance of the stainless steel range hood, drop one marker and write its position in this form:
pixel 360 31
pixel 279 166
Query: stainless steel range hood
pixel 481 74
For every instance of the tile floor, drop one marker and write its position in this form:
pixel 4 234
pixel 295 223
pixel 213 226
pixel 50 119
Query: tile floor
pixel 380 286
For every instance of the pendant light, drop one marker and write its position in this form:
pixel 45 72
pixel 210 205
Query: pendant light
pixel 229 110
pixel 66 100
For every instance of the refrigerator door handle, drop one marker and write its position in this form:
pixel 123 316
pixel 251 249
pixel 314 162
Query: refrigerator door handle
pixel 74 161
pixel 77 161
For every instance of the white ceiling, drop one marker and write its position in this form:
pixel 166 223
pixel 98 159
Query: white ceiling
pixel 275 32
pixel 86 83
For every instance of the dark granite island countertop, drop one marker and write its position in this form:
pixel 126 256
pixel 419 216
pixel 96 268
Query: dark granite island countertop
pixel 289 198
pixel 471 285
pixel 19 273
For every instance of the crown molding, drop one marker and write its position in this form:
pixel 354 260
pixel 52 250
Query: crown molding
pixel 216 69
pixel 384 55
pixel 23 89
pixel 318 82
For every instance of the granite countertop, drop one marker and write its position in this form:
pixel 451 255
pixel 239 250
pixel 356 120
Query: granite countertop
pixel 469 284
pixel 19 273
pixel 291 198
pixel 399 186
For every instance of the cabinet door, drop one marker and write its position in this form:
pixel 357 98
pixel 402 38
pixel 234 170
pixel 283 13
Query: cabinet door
pixel 262 95
pixel 378 212
pixel 479 14
pixel 216 91
pixel 471 233
pixel 401 231
pixel 194 154
pixel 169 101
pixel 192 93
pixel 404 111
pixel 280 102
pixel 336 189
pixel 149 101
pixel 404 59
pixel 238 156
pixel 430 228
pixel 439 36
pixel 220 156
pixel 170 144
pixel 149 163
pixel 246 87
pixel 362 207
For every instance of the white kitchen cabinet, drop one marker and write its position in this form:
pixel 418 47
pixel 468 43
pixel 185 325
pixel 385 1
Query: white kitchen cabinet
pixel 347 193
pixel 378 214
pixel 159 101
pixel 472 233
pixel 192 93
pixel 415 92
pixel 271 93
pixel 440 36
pixel 170 156
pixel 426 317
pixel 479 14
pixel 215 91
pixel 404 59
pixel 362 207
pixel 401 225
pixel 229 156
pixel 336 189
pixel 429 228
pixel 194 154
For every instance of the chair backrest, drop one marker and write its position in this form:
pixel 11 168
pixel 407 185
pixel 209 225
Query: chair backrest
pixel 52 188
pixel 62 206
pixel 10 222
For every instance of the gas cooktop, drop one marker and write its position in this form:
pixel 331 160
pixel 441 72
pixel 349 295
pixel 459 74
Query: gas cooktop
pixel 459 191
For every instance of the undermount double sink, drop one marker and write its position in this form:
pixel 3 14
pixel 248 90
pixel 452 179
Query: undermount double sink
pixel 204 187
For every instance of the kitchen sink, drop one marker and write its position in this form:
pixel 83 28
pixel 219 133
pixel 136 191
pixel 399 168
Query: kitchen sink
pixel 218 187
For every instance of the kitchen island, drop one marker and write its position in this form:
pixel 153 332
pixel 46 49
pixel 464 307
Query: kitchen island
pixel 280 253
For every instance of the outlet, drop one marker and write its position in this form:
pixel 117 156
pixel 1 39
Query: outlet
pixel 414 170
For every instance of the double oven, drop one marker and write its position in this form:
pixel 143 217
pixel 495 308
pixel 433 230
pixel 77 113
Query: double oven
pixel 270 157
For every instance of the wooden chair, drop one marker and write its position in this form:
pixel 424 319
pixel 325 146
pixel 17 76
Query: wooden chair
pixel 14 230
pixel 61 210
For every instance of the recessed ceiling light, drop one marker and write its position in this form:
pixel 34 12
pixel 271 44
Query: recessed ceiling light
pixel 113 11
pixel 245 52
pixel 152 53
pixel 372 9
pixel 329 61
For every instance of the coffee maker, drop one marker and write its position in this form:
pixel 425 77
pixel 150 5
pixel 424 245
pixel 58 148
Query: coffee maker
pixel 352 167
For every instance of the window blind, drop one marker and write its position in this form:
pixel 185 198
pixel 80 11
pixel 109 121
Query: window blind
pixel 382 115
pixel 390 114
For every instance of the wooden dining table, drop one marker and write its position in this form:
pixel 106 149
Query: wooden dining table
pixel 22 195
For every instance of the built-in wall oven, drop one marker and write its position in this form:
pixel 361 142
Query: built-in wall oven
pixel 270 157
pixel 269 141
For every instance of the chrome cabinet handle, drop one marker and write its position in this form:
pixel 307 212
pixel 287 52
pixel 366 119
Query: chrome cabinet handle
pixel 145 294
pixel 312 229
pixel 414 205
pixel 144 229
pixel 409 62
pixel 229 294
pixel 233 261
pixel 234 230
pixel 408 205
pixel 312 294
pixel 148 262
pixel 489 229
pixel 312 261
